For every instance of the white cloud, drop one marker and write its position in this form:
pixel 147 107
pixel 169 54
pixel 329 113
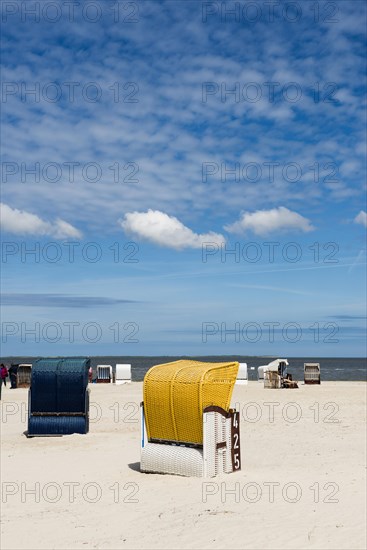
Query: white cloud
pixel 63 229
pixel 20 222
pixel 175 128
pixel 361 218
pixel 160 228
pixel 264 222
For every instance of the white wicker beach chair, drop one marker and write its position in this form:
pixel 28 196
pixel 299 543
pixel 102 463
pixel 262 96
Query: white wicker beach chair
pixel 123 374
pixel 278 365
pixel 242 376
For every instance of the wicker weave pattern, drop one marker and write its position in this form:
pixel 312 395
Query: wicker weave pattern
pixel 214 459
pixel 172 459
pixel 175 395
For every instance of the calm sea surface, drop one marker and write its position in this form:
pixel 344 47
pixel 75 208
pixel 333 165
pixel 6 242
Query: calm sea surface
pixel 342 368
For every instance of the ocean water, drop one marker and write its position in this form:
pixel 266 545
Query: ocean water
pixel 334 368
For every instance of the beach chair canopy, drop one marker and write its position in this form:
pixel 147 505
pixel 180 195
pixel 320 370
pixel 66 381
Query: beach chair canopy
pixel 176 394
pixel 274 365
pixel 59 385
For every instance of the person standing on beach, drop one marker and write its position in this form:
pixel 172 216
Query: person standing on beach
pixel 13 370
pixel 3 373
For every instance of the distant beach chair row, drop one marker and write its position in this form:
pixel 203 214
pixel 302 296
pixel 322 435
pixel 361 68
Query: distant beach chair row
pixel 122 374
pixel 274 375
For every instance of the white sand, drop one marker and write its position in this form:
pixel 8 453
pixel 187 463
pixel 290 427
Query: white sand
pixel 154 511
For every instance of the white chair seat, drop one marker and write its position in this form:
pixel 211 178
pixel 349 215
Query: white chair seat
pixel 172 459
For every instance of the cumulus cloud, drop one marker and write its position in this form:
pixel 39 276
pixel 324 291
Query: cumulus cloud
pixel 264 222
pixel 361 218
pixel 20 222
pixel 160 228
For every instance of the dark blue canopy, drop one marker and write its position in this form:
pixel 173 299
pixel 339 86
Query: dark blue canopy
pixel 59 385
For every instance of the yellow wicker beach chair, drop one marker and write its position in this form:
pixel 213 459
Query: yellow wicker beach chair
pixel 189 423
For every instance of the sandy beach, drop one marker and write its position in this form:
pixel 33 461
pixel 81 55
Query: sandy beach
pixel 302 483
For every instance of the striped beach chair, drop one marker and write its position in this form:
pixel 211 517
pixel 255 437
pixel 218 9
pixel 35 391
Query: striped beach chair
pixel 188 427
pixel 312 373
pixel 24 374
pixel 104 374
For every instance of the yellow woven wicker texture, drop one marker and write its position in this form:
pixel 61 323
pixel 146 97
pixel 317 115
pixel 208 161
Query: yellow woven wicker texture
pixel 175 395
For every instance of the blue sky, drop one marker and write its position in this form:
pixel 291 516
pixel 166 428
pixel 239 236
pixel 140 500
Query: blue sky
pixel 139 149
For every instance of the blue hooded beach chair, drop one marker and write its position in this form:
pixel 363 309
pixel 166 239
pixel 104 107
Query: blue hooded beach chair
pixel 58 397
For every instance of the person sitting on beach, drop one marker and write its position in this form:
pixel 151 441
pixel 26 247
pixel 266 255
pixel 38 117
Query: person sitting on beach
pixel 3 373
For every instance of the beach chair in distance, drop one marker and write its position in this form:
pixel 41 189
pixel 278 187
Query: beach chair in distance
pixel 278 365
pixel 104 374
pixel 58 399
pixel 312 373
pixel 123 374
pixel 261 372
pixel 272 380
pixel 188 427
pixel 242 377
pixel 24 373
